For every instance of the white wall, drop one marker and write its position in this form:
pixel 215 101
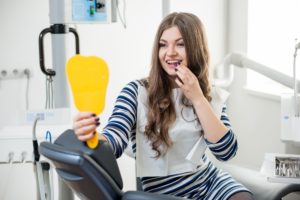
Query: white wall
pixel 213 15
pixel 21 22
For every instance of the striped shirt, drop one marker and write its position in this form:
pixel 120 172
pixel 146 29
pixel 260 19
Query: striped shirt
pixel 208 182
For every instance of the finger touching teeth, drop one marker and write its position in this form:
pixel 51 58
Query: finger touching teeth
pixel 173 63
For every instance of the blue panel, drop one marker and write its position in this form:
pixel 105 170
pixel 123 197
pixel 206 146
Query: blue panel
pixel 85 11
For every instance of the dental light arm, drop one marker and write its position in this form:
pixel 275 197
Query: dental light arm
pixel 290 120
pixel 242 61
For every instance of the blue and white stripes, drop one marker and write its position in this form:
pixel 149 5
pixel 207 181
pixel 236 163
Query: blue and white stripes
pixel 225 148
pixel 121 124
pixel 207 182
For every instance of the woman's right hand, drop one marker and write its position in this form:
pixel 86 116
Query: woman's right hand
pixel 85 124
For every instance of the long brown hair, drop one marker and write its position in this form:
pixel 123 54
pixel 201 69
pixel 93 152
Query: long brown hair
pixel 162 113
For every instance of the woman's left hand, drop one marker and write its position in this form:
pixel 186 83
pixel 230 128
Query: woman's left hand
pixel 189 83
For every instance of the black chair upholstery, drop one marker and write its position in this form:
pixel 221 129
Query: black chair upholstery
pixel 91 174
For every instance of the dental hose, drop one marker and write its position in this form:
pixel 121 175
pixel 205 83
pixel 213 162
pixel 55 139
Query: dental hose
pixel 42 169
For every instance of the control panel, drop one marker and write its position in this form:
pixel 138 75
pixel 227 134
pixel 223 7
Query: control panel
pixel 82 11
pixel 93 11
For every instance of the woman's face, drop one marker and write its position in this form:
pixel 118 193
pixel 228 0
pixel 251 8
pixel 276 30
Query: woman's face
pixel 172 50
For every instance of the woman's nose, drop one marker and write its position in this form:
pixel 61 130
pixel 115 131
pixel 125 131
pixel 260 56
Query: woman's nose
pixel 171 51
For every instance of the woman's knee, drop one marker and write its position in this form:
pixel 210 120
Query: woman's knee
pixel 242 196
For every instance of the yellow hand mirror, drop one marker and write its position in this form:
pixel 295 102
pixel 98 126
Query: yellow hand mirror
pixel 88 78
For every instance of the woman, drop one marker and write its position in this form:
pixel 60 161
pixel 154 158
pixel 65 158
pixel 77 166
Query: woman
pixel 169 118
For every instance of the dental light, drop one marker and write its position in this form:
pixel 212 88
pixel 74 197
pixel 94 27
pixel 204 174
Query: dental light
pixel 290 120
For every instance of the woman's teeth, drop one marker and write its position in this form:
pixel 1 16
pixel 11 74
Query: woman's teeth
pixel 174 63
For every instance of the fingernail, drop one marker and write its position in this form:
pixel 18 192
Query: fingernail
pixel 176 69
pixel 94 132
pixel 98 123
pixel 94 115
pixel 97 119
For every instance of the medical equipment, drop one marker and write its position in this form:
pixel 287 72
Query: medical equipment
pixel 256 181
pixel 56 76
pixel 241 60
pixel 88 78
pixel 290 117
pixel 92 173
pixel 17 73
pixel 17 144
pixel 62 14
pixel 42 169
pixel 290 122
pixel 82 11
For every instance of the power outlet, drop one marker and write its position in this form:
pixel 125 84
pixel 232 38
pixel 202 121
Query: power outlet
pixel 14 73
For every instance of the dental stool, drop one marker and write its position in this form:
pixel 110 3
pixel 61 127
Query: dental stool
pixel 91 173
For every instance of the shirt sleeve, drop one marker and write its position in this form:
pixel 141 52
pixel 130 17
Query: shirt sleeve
pixel 227 146
pixel 123 119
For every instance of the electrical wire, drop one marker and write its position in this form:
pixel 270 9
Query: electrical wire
pixel 34 141
pixel 122 18
pixel 34 128
pixel 48 136
pixel 38 165
pixel 42 170
pixel 26 72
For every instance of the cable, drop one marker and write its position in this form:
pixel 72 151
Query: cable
pixel 27 74
pixel 122 19
pixel 43 172
pixel 48 137
pixel 40 179
pixel 35 142
pixel 38 165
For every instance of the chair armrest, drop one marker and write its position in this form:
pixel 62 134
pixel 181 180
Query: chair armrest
pixel 139 195
pixel 258 184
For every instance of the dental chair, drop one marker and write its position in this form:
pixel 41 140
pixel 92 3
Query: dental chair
pixel 92 174
pixel 258 184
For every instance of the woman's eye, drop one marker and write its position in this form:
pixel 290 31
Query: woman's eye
pixel 181 44
pixel 161 45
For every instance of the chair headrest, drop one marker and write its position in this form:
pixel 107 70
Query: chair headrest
pixel 102 155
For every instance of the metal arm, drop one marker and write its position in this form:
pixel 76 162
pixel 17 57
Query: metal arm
pixel 48 72
pixel 243 61
pixel 54 29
